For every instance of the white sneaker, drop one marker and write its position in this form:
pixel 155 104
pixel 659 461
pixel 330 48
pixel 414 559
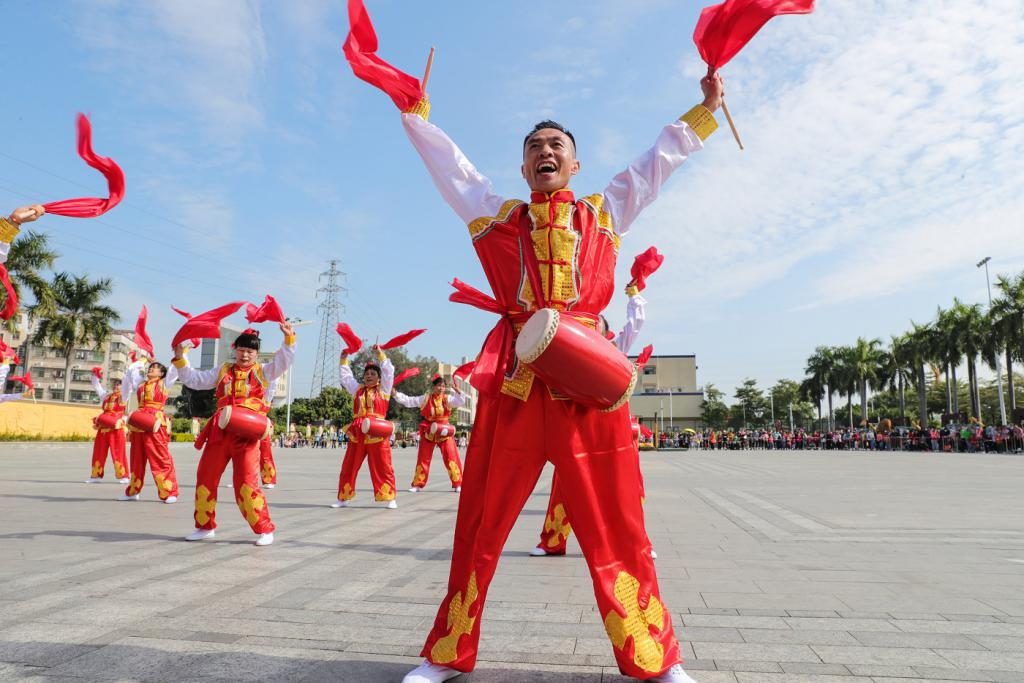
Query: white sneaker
pixel 457 489
pixel 339 504
pixel 430 673
pixel 201 534
pixel 124 480
pixel 673 675
pixel 538 552
pixel 654 555
pixel 392 504
pixel 269 486
pixel 414 490
pixel 265 539
pixel 127 497
pixel 95 480
pixel 171 499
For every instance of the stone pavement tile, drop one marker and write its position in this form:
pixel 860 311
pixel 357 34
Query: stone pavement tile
pixel 708 676
pixel 812 668
pixel 780 601
pixel 755 652
pixel 969 675
pixel 43 644
pixel 531 644
pixel 587 629
pixel 567 614
pixel 969 617
pixel 996 661
pixel 815 624
pixel 797 678
pixel 1001 643
pixel 178 634
pixel 797 637
pixel 297 598
pixel 813 614
pixel 10 671
pixel 919 640
pixel 257 642
pixel 354 667
pixel 856 614
pixel 764 667
pixel 762 613
pixel 727 621
pixel 698 634
pixel 713 610
pixel 969 628
pixel 919 616
pixel 887 670
pixel 900 656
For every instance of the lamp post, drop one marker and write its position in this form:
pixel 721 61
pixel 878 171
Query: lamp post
pixel 295 322
pixel 999 369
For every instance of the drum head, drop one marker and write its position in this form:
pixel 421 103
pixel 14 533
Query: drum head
pixel 536 334
pixel 365 427
pixel 225 417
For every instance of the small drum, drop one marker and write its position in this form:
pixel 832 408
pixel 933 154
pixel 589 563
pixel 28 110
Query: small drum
pixel 145 421
pixel 575 360
pixel 245 423
pixel 634 422
pixel 376 427
pixel 441 430
pixel 108 421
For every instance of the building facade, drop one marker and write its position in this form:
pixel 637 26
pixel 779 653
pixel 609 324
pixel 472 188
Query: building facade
pixel 667 397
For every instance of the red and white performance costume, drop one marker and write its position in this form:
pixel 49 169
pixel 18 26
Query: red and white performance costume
pixel 148 446
pixel 5 369
pixel 556 530
pixel 240 388
pixel 519 422
pixel 268 470
pixel 435 409
pixel 373 403
pixel 109 438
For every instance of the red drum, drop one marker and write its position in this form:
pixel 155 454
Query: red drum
pixel 575 360
pixel 376 427
pixel 108 421
pixel 145 421
pixel 635 424
pixel 441 429
pixel 245 423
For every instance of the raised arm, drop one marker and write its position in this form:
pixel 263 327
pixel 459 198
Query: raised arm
pixel 465 189
pixel 96 386
pixel 11 225
pixel 348 381
pixel 387 373
pixel 409 401
pixel 636 312
pixel 634 188
pixel 189 376
pixel 171 377
pixel 134 375
pixel 457 400
pixel 284 357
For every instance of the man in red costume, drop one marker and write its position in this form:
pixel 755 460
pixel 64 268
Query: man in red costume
pixel 369 400
pixel 109 438
pixel 519 423
pixel 436 410
pixel 242 386
pixel 149 445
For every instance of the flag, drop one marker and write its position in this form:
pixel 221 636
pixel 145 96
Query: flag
pixel 268 310
pixel 401 339
pixel 406 374
pixel 353 341
pixel 644 265
pixel 142 339
pixel 361 52
pixel 206 325
pixel 724 29
pixel 90 207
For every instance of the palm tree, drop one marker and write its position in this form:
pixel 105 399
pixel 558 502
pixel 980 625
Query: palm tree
pixel 866 358
pixel 29 254
pixel 845 376
pixel 923 344
pixel 813 389
pixel 820 370
pixel 1008 308
pixel 970 324
pixel 992 348
pixel 900 369
pixel 949 351
pixel 74 317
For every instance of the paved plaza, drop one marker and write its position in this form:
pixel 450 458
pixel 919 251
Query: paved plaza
pixel 842 567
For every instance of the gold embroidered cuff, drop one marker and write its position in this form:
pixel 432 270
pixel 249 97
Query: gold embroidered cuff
pixel 701 120
pixel 179 363
pixel 420 109
pixel 380 355
pixel 8 230
pixel 631 290
pixel 289 340
pixel 344 361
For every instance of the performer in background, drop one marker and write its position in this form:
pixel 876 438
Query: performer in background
pixel 369 402
pixel 5 369
pixel 435 430
pixel 109 431
pixel 149 429
pixel 241 394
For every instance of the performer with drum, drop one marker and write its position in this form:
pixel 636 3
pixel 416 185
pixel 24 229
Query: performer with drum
pixel 149 429
pixel 109 431
pixel 236 429
pixel 5 368
pixel 550 264
pixel 369 434
pixel 435 430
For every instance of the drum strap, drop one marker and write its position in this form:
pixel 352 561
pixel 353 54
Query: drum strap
pixel 530 261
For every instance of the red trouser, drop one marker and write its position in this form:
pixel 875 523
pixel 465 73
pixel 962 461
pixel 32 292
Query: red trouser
pixel 382 474
pixel 109 440
pixel 594 458
pixel 449 453
pixel 244 455
pixel 151 447
pixel 556 530
pixel 268 470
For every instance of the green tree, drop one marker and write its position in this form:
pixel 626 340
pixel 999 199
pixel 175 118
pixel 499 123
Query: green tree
pixel 845 377
pixel 30 253
pixel 1008 310
pixel 714 411
pixel 948 348
pixel 751 406
pixel 74 317
pixel 786 394
pixel 923 342
pixel 970 326
pixel 820 371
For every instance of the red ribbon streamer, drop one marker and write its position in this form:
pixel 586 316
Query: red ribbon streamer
pixel 206 325
pixel 644 356
pixel 401 340
pixel 361 52
pixel 496 352
pixel 11 305
pixel 90 207
pixel 97 372
pixel 268 310
pixel 644 266
pixel 406 374
pixel 25 379
pixel 350 337
pixel 464 371
pixel 142 339
pixel 187 316
pixel 724 29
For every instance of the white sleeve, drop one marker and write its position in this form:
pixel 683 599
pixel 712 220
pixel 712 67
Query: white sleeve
pixel 387 376
pixel 348 381
pixel 133 377
pixel 463 187
pixel 457 400
pixel 409 401
pixel 195 379
pixel 171 377
pixel 281 361
pixel 634 188
pixel 96 386
pixel 5 369
pixel 10 397
pixel 636 313
pixel 5 248
pixel 268 395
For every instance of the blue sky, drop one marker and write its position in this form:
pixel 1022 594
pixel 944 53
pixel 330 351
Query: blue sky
pixel 885 156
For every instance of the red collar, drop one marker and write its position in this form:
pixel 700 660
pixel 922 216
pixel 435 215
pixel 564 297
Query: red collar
pixel 563 195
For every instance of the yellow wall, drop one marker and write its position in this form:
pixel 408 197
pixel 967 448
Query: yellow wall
pixel 49 419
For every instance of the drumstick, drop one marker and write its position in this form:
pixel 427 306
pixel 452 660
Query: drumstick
pixel 426 73
pixel 728 117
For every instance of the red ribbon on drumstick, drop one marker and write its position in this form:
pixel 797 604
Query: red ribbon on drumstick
pixel 187 316
pixel 25 379
pixel 406 374
pixel 464 371
pixel 351 339
pixel 268 310
pixel 724 29
pixel 644 265
pixel 11 305
pixel 401 340
pixel 91 207
pixel 97 372
pixel 142 339
pixel 205 325
pixel 644 356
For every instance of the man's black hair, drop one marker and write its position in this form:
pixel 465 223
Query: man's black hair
pixel 549 124
pixel 247 340
pixel 438 380
pixel 372 366
pixel 163 368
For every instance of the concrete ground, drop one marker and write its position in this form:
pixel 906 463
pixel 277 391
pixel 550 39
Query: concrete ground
pixel 776 567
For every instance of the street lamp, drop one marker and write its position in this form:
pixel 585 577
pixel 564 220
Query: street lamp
pixel 999 369
pixel 294 322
